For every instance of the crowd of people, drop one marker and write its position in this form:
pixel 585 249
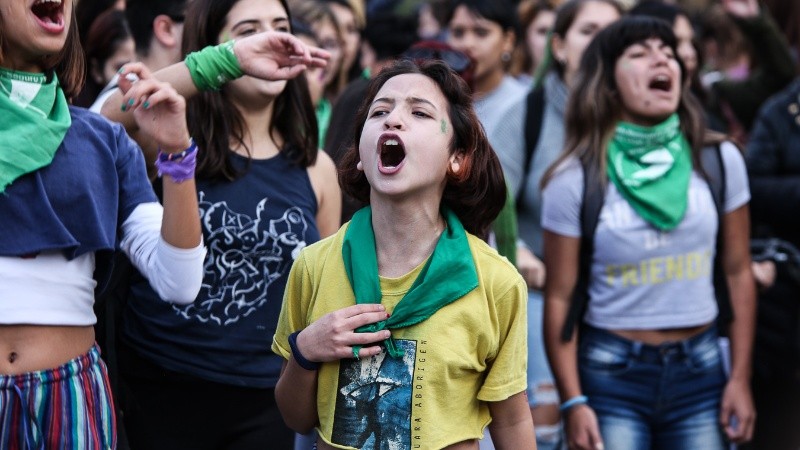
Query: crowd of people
pixel 376 224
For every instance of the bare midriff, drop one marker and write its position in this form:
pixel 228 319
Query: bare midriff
pixel 29 348
pixel 658 337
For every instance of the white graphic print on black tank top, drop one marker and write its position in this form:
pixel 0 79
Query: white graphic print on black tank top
pixel 245 255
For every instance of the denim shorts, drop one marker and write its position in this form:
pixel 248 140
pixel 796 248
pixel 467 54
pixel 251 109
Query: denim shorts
pixel 654 397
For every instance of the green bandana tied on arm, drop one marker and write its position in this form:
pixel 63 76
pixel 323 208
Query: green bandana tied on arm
pixel 651 168
pixel 448 275
pixel 213 66
pixel 35 119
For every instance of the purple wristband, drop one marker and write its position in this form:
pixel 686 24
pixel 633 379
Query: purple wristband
pixel 179 166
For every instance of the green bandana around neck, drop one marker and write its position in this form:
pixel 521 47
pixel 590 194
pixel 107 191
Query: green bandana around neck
pixel 651 168
pixel 448 275
pixel 35 120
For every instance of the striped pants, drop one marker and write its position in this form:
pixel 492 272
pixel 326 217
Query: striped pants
pixel 66 408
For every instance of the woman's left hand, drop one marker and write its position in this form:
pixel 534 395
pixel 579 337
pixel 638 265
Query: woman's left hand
pixel 737 413
pixel 158 109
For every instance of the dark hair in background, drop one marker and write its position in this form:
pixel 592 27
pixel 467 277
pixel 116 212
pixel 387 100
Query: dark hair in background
pixel 142 13
pixel 87 11
pixel 389 33
pixel 107 33
pixel 501 12
pixel 301 28
pixel 594 106
pixel 565 17
pixel 213 120
pixel 68 64
pixel 461 64
pixel 478 192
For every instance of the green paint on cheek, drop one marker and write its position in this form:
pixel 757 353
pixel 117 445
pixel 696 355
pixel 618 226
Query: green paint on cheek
pixel 444 127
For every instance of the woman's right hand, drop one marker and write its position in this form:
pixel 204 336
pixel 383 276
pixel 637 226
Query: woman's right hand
pixel 158 109
pixel 333 335
pixel 582 430
pixel 274 55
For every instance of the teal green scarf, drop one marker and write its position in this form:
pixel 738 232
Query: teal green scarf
pixel 448 275
pixel 651 167
pixel 35 119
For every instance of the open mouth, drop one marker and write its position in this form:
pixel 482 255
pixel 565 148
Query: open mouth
pixel 661 83
pixel 391 149
pixel 49 12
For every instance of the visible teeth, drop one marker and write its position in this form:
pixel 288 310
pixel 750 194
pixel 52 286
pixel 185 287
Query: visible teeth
pixel 662 78
pixel 391 142
pixel 39 2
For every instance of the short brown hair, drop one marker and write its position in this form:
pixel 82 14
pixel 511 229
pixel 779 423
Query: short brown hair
pixel 477 193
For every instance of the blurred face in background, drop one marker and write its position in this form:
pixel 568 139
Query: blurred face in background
pixel 482 40
pixel 328 38
pixel 351 35
pixel 314 75
pixel 536 35
pixel 686 51
pixel 568 49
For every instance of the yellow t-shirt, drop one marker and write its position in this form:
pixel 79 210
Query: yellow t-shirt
pixel 470 352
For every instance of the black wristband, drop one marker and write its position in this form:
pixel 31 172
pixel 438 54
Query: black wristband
pixel 298 357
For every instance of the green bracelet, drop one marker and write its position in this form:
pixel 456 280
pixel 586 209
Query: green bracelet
pixel 213 66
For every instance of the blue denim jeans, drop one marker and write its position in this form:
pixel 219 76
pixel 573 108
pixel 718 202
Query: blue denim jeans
pixel 654 397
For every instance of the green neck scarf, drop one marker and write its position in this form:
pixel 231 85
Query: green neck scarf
pixel 651 167
pixel 448 275
pixel 35 120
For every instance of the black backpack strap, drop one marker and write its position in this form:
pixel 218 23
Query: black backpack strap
pixel 593 198
pixel 534 113
pixel 714 170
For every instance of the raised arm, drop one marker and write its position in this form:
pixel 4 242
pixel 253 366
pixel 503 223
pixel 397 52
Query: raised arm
pixel 268 55
pixel 160 112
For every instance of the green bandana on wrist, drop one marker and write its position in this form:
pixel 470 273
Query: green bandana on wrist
pixel 651 167
pixel 35 119
pixel 448 275
pixel 213 66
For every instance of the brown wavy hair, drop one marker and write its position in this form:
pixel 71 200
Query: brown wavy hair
pixel 68 64
pixel 477 193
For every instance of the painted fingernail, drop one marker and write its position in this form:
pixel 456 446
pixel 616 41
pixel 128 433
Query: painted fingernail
pixel 130 102
pixel 123 108
pixel 146 105
pixel 121 69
